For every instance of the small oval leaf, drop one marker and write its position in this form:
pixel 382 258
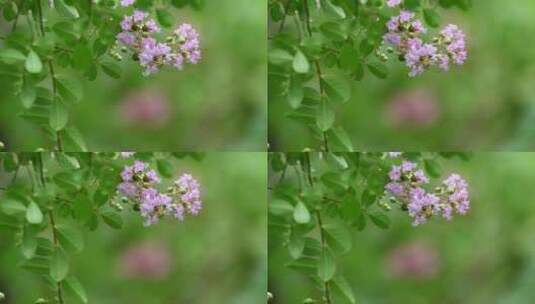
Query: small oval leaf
pixel 33 63
pixel 301 213
pixel 34 214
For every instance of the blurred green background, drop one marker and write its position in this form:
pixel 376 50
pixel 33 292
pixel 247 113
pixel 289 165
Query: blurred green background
pixel 219 104
pixel 218 257
pixel 487 256
pixel 487 104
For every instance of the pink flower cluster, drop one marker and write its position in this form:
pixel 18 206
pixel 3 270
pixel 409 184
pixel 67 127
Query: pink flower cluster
pixel 406 187
pixel 137 35
pixel 404 34
pixel 139 186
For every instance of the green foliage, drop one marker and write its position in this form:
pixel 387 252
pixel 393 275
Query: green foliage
pixel 58 50
pixel 321 201
pixel 335 44
pixel 64 196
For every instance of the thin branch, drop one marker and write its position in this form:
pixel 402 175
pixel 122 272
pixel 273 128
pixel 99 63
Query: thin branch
pixel 319 74
pixel 59 143
pixel 52 221
pixel 326 287
pixel 308 171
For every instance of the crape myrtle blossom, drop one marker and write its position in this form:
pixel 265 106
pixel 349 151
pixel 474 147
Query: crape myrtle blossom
pixel 139 186
pixel 406 187
pixel 404 35
pixel 138 37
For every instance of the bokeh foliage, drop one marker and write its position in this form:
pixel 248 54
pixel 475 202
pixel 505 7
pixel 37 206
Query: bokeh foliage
pixel 210 251
pixel 219 103
pixel 486 256
pixel 486 104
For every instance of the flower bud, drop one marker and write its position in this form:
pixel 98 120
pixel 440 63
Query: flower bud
pixel 2 296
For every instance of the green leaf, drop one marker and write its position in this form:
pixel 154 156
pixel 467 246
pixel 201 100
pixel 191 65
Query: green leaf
pixel 325 116
pixel 10 10
pixel 368 198
pixel 70 181
pixel 38 265
pixel 82 57
pixel 10 162
pixel 34 214
pixel 73 140
pixel 165 18
pixel 334 10
pixel 280 207
pixel 333 31
pixel 66 31
pixel 380 219
pixel 29 244
pixel 28 94
pixel 295 94
pixel 337 87
pixel 11 56
pixel 76 287
pixel 340 140
pixel 111 69
pixel 341 283
pixel 66 10
pixel 67 162
pixel 59 265
pixel 338 234
pixel 279 56
pixel 366 47
pixel 70 89
pixel 300 63
pixel 296 246
pixel 12 207
pixel 326 265
pixel 301 213
pixel 70 237
pixel 432 168
pixel 334 181
pixel 431 17
pixel 165 167
pixel 33 63
pixel 348 59
pixel 59 116
pixel 113 219
pixel 378 69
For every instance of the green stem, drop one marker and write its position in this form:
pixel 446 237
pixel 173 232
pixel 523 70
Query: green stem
pixel 59 142
pixel 306 167
pixel 59 286
pixel 326 287
pixel 319 74
pixel 42 180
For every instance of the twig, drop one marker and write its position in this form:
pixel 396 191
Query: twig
pixel 52 223
pixel 59 143
pixel 308 171
pixel 326 287
pixel 319 74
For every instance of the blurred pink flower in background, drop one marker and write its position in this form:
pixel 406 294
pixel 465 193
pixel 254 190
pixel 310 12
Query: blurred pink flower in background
pixel 146 260
pixel 149 108
pixel 415 260
pixel 415 107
